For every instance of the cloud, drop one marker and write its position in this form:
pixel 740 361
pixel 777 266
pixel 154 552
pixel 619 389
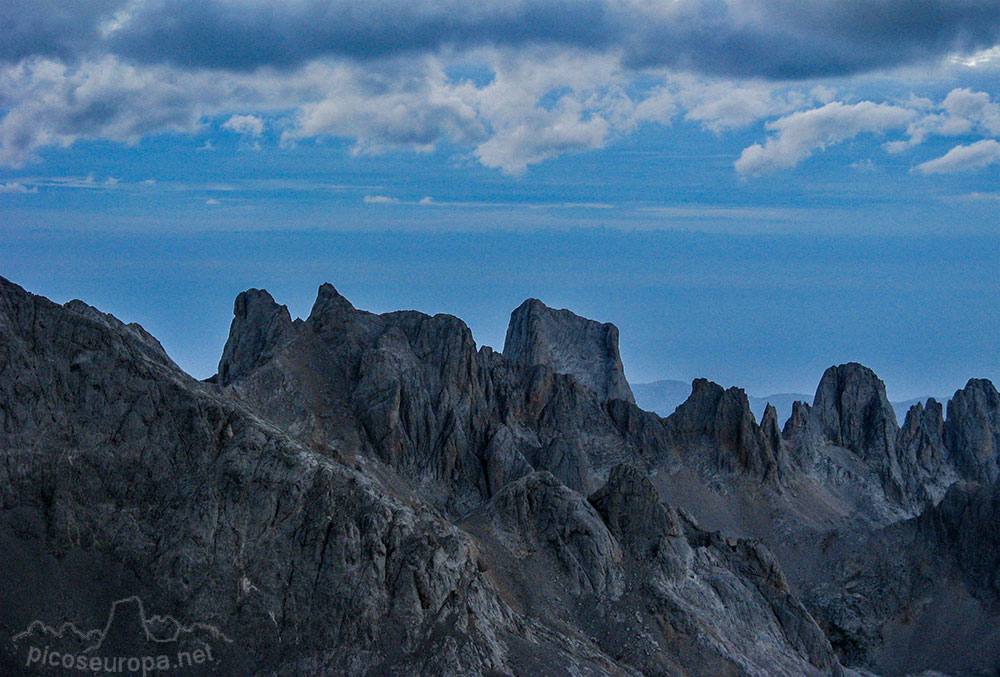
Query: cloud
pixel 962 111
pixel 52 104
pixel 530 107
pixel 534 108
pixel 963 158
pixel 248 125
pixel 380 200
pixel 743 38
pixel 16 187
pixel 800 134
pixel 721 105
pixel 412 106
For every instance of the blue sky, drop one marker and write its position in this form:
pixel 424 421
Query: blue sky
pixel 752 189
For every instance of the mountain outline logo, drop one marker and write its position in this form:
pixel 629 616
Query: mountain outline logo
pixel 130 642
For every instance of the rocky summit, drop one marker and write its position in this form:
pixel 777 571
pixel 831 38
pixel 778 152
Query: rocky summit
pixel 357 493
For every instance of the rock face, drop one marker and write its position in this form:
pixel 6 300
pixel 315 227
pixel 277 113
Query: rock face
pixel 853 412
pixel 927 464
pixel 123 476
pixel 568 344
pixel 721 420
pixel 929 581
pixel 259 327
pixel 972 431
pixel 733 586
pixel 540 514
pixel 373 494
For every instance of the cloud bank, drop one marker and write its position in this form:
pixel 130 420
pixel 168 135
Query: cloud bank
pixel 769 38
pixel 511 83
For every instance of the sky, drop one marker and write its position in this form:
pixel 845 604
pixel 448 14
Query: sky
pixel 751 190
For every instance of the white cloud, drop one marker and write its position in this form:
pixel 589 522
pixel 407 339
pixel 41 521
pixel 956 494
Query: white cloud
pixel 722 105
pixel 380 200
pixel 800 134
pixel 537 105
pixel 962 111
pixel 247 125
pixel 963 158
pixel 16 187
pixel 53 104
pixel 975 107
pixel 980 59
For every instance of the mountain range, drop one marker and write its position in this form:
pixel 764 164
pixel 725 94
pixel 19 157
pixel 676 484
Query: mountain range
pixel 663 397
pixel 358 493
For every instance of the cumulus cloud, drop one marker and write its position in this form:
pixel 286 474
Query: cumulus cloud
pixel 248 125
pixel 962 111
pixel 721 105
pixel 533 108
pixel 413 106
pixel 558 76
pixel 380 200
pixel 963 158
pixel 53 104
pixel 799 135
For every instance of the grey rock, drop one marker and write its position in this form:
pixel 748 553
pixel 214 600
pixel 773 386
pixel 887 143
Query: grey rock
pixel 114 462
pixel 721 420
pixel 539 513
pixel 927 464
pixel 372 494
pixel 972 430
pixel 259 327
pixel 649 530
pixel 921 592
pixel 853 412
pixel 705 580
pixel 568 344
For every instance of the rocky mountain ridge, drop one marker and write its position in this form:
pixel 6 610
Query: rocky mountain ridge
pixel 373 494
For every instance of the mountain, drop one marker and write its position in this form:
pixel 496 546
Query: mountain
pixel 360 493
pixel 663 397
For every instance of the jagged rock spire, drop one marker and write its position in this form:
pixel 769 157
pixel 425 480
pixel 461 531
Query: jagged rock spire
pixel 259 325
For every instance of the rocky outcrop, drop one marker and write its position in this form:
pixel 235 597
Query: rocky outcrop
pixel 568 344
pixel 259 327
pixel 649 530
pixel 137 335
pixel 538 516
pixel 925 460
pixel 733 586
pixel 122 476
pixel 972 431
pixel 413 392
pixel 852 411
pixel 361 493
pixel 722 421
pixel 905 596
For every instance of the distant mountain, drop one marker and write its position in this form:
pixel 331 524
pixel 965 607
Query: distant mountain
pixel 663 397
